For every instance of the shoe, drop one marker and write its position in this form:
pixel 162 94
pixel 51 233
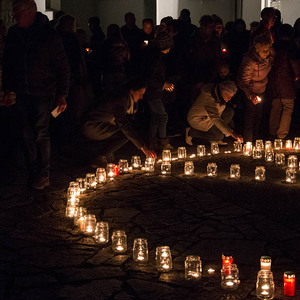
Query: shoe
pixel 41 183
pixel 165 144
pixel 220 143
pixel 100 162
pixel 188 138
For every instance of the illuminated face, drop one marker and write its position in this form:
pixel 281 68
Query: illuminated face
pixel 227 96
pixel 138 94
pixel 263 51
pixel 224 71
pixel 219 29
pixel 147 27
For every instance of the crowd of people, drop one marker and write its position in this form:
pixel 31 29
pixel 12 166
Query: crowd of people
pixel 142 85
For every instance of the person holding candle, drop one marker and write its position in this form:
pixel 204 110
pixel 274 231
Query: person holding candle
pixel 206 115
pixel 111 121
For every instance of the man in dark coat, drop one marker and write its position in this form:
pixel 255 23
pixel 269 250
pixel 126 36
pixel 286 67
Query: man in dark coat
pixel 36 69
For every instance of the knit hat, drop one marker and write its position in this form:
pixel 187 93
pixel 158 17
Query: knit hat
pixel 164 41
pixel 228 86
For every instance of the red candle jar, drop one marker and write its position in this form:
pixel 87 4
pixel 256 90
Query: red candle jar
pixel 226 260
pixel 116 170
pixel 289 280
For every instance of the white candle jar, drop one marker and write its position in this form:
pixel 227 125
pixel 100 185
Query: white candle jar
pixel 70 211
pixel 288 145
pixel 247 149
pixel 72 193
pixel 296 144
pixel 230 277
pixel 265 263
pixel 136 162
pixel 123 166
pixel 260 173
pixel 278 143
pixel 214 148
pixel 201 151
pixel 257 152
pixel 193 267
pixel 90 181
pixel 268 146
pixel 165 168
pixel 237 146
pixel 90 222
pixel 74 184
pixel 100 175
pixel 119 241
pixel 166 155
pixel 235 171
pixel 291 175
pixel 79 214
pixel 163 259
pixel 269 156
pixel 279 159
pixel 150 164
pixel 140 250
pixel 265 287
pixel 102 232
pixel 212 169
pixel 82 184
pixel 181 152
pixel 110 171
pixel 292 161
pixel 259 144
pixel 188 168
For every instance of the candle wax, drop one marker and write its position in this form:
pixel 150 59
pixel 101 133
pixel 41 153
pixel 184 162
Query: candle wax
pixel 289 286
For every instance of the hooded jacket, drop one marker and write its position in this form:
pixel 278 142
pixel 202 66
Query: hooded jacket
pixel 35 62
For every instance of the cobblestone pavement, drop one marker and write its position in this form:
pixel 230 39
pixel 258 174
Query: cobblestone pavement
pixel 43 256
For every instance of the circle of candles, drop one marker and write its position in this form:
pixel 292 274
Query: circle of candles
pixel 201 151
pixel 257 152
pixel 166 155
pixel 150 164
pixel 259 144
pixel 100 175
pixel 265 263
pixel 212 169
pixel 188 168
pixel 79 214
pixel 181 152
pixel 269 156
pixel 291 175
pixel 278 143
pixel 123 166
pixel 136 162
pixel 81 184
pixel 110 171
pixel 279 159
pixel 265 287
pixel 119 241
pixel 140 250
pixel 237 146
pixel 193 267
pixel 247 149
pixel 90 180
pixel 165 168
pixel 102 232
pixel 163 258
pixel 288 145
pixel 230 277
pixel 89 222
pixel 268 146
pixel 289 280
pixel 214 148
pixel 235 171
pixel 292 161
pixel 296 144
pixel 260 173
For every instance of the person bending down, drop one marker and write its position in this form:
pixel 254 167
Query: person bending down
pixel 207 116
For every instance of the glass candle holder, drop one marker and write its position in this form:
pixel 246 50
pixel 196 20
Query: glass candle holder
pixel 165 168
pixel 100 175
pixel 90 222
pixel 74 184
pixel 193 267
pixel 265 287
pixel 259 144
pixel 269 156
pixel 81 184
pixel 163 259
pixel 291 175
pixel 226 260
pixel 265 263
pixel 90 181
pixel 70 211
pixel 119 241
pixel 102 232
pixel 288 145
pixel 201 151
pixel 268 146
pixel 188 168
pixel 292 161
pixel 150 164
pixel 79 214
pixel 136 162
pixel 296 144
pixel 235 171
pixel 214 148
pixel 289 280
pixel 279 159
pixel 181 152
pixel 212 169
pixel 237 146
pixel 140 250
pixel 123 166
pixel 230 277
pixel 110 171
pixel 166 155
pixel 72 193
pixel 257 152
pixel 260 173
pixel 247 149
pixel 278 143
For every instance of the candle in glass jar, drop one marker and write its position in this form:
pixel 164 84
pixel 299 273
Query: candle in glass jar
pixel 289 280
pixel 235 171
pixel 226 259
pixel 119 241
pixel 288 145
pixel 291 175
pixel 292 161
pixel 188 168
pixel 193 267
pixel 247 149
pixel 165 168
pixel 110 171
pixel 136 162
pixel 265 263
pixel 102 232
pixel 278 144
pixel 181 152
pixel 296 144
pixel 201 151
pixel 163 259
pixel 100 175
pixel 212 169
pixel 260 173
pixel 166 155
pixel 214 148
pixel 140 250
pixel 237 146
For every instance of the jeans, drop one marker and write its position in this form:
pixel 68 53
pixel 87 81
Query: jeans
pixel 34 117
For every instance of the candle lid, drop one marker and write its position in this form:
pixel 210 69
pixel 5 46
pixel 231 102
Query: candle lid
pixel 266 259
pixel 289 274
